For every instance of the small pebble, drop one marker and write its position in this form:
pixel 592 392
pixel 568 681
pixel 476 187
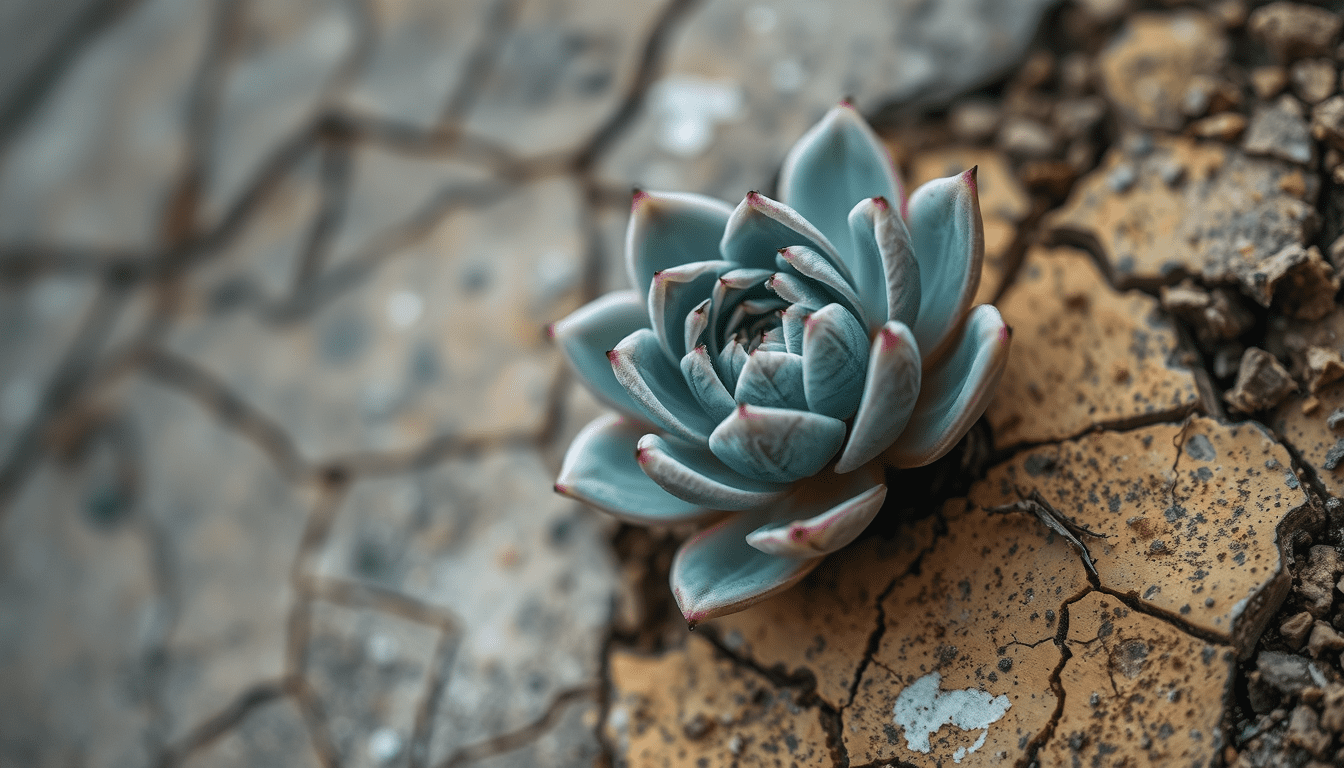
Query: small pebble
pixel 1122 177
pixel 1296 628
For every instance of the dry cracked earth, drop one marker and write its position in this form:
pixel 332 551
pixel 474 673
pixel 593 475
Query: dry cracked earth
pixel 279 419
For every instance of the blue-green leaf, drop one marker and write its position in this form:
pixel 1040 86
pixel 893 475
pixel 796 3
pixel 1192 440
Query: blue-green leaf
pixel 776 444
pixel 759 227
pixel 673 293
pixel 956 391
pixel 949 241
pixel 590 332
pixel 834 361
pixel 809 263
pixel 894 285
pixel 772 380
pixel 889 396
pixel 696 476
pixel 601 469
pixel 716 572
pixel 837 163
pixel 656 385
pixel 668 229
pixel 825 516
pixel 705 384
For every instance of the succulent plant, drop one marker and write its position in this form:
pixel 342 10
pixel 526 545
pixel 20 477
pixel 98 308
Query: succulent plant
pixel 771 360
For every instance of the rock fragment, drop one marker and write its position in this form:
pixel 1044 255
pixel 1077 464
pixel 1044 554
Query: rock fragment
pixel 1147 69
pixel 1262 382
pixel 1216 496
pixel 1025 138
pixel 1216 314
pixel 1316 579
pixel 1296 628
pixel 974 625
pixel 1304 730
pixel 1293 30
pixel 1228 213
pixel 974 120
pixel 1142 677
pixel 1332 708
pixel 1318 444
pixel 1207 95
pixel 1269 81
pixel 1324 639
pixel 1303 284
pixel 1224 126
pixel 1324 366
pixel 1074 118
pixel 1327 122
pixel 1287 673
pixel 1280 130
pixel 1313 80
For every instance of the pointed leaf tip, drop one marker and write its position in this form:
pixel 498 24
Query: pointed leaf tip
pixel 716 572
pixel 637 197
pixel 598 470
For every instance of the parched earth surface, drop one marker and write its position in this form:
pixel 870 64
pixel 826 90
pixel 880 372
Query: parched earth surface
pixel 279 419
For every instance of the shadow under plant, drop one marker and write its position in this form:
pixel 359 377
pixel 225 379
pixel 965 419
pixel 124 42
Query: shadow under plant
pixel 278 421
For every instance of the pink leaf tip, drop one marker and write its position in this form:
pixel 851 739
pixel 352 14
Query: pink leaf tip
pixel 890 340
pixel 970 177
pixel 637 197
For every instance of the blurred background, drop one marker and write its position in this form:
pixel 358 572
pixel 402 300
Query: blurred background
pixel 278 416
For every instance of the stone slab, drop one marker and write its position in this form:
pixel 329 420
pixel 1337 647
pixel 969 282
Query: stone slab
pixel 692 707
pixel 1083 355
pixel 1188 517
pixel 1160 207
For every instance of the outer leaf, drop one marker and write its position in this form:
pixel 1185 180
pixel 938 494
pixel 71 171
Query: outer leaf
pixel 673 294
pixel 668 229
pixel 835 359
pixel 772 380
pixel 829 512
pixel 837 163
pixel 776 444
pixel 895 285
pixel 600 469
pixel 956 391
pixel 759 227
pixel 657 386
pixel 889 396
pixel 590 332
pixel 949 241
pixel 695 476
pixel 715 572
pixel 708 389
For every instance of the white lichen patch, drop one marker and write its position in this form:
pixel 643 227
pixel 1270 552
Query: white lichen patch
pixel 922 709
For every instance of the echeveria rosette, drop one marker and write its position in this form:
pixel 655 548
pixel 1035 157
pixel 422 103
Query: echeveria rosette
pixel 772 358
